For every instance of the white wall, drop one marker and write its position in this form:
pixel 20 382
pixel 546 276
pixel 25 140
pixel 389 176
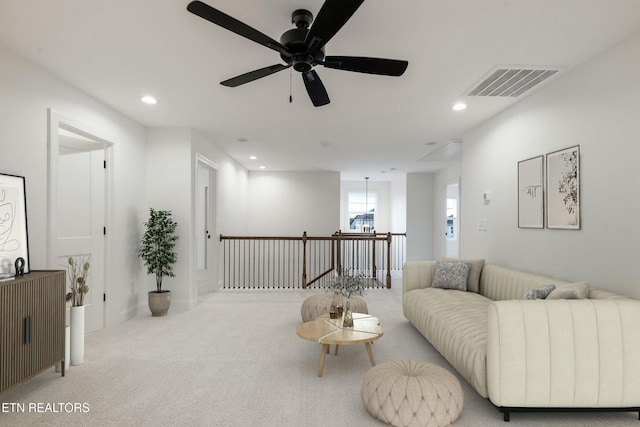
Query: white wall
pixel 289 203
pixel 26 92
pixel 398 198
pixel 168 187
pixel 231 198
pixel 595 106
pixel 171 183
pixel 420 211
pixel 232 189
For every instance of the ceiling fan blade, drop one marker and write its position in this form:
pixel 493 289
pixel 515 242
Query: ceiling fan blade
pixel 332 16
pixel 207 12
pixel 361 64
pixel 254 75
pixel 315 88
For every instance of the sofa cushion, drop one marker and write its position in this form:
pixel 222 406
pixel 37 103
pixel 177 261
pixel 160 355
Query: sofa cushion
pixel 473 281
pixel 451 275
pixel 539 293
pixel 501 283
pixel 578 290
pixel 455 323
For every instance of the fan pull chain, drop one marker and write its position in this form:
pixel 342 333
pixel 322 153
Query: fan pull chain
pixel 290 86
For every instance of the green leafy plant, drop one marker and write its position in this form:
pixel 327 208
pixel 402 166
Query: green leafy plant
pixel 78 272
pixel 157 243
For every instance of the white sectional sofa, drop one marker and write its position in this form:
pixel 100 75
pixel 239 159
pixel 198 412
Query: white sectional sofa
pixel 526 355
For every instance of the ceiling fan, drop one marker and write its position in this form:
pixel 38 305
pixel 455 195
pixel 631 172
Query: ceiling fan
pixel 303 47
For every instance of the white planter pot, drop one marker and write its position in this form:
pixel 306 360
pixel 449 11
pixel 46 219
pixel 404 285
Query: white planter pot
pixel 77 335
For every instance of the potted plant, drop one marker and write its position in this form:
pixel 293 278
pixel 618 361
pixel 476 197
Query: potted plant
pixel 78 273
pixel 156 251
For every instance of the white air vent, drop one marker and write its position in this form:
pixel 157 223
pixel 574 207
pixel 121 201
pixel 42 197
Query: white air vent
pixel 510 81
pixel 450 152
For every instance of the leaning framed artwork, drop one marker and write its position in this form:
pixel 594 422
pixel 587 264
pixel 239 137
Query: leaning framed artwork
pixel 530 193
pixel 14 242
pixel 563 189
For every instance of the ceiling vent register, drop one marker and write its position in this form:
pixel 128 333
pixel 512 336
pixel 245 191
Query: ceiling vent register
pixel 511 82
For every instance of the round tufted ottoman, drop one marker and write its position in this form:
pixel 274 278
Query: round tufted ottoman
pixel 319 304
pixel 408 393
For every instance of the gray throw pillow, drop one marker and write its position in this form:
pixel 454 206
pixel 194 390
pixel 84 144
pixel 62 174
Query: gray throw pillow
pixel 539 293
pixel 475 268
pixel 451 275
pixel 578 290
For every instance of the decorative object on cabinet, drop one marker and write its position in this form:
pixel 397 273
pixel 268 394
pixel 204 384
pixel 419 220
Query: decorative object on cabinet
pixel 32 325
pixel 14 241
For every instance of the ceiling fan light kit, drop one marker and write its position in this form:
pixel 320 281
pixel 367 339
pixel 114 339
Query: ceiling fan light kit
pixel 302 48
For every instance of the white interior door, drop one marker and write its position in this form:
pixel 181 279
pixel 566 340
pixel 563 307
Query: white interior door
pixel 205 220
pixel 81 215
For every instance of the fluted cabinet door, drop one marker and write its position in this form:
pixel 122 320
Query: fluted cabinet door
pixel 32 322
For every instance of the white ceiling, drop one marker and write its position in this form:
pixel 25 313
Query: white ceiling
pixel 119 50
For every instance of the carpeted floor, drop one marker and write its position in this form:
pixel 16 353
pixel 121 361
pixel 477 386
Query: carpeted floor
pixel 235 360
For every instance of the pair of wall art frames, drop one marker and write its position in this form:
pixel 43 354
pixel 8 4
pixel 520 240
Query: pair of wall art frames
pixel 554 200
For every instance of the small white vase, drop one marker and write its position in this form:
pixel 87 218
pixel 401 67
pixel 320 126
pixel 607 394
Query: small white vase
pixel 77 335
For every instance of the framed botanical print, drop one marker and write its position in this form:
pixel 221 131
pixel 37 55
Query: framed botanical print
pixel 563 189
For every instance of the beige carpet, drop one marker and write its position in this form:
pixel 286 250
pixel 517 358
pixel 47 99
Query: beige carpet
pixel 235 360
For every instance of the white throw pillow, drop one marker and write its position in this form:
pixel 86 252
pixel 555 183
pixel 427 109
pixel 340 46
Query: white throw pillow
pixel 578 290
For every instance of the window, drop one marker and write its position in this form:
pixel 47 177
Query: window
pixel 362 207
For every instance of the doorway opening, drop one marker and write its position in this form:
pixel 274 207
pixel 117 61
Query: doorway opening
pixel 78 201
pixel 205 226
pixel 452 213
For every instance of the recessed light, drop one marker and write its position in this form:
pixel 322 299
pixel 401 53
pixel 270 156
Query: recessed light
pixel 148 99
pixel 262 167
pixel 252 157
pixel 459 106
pixel 431 143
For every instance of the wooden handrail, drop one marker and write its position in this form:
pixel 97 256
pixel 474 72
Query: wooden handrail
pixel 247 256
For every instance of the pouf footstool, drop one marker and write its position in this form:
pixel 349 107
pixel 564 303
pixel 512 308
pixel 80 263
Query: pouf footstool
pixel 319 304
pixel 409 393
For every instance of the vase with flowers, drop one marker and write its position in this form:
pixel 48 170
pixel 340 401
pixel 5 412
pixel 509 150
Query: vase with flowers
pixel 348 285
pixel 78 273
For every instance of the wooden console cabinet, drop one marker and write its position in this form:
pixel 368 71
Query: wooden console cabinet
pixel 32 322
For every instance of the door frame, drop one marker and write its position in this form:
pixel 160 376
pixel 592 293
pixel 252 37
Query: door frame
pixel 55 121
pixel 457 226
pixel 202 161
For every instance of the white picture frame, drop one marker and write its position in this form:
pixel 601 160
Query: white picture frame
pixel 531 193
pixel 14 240
pixel 563 189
